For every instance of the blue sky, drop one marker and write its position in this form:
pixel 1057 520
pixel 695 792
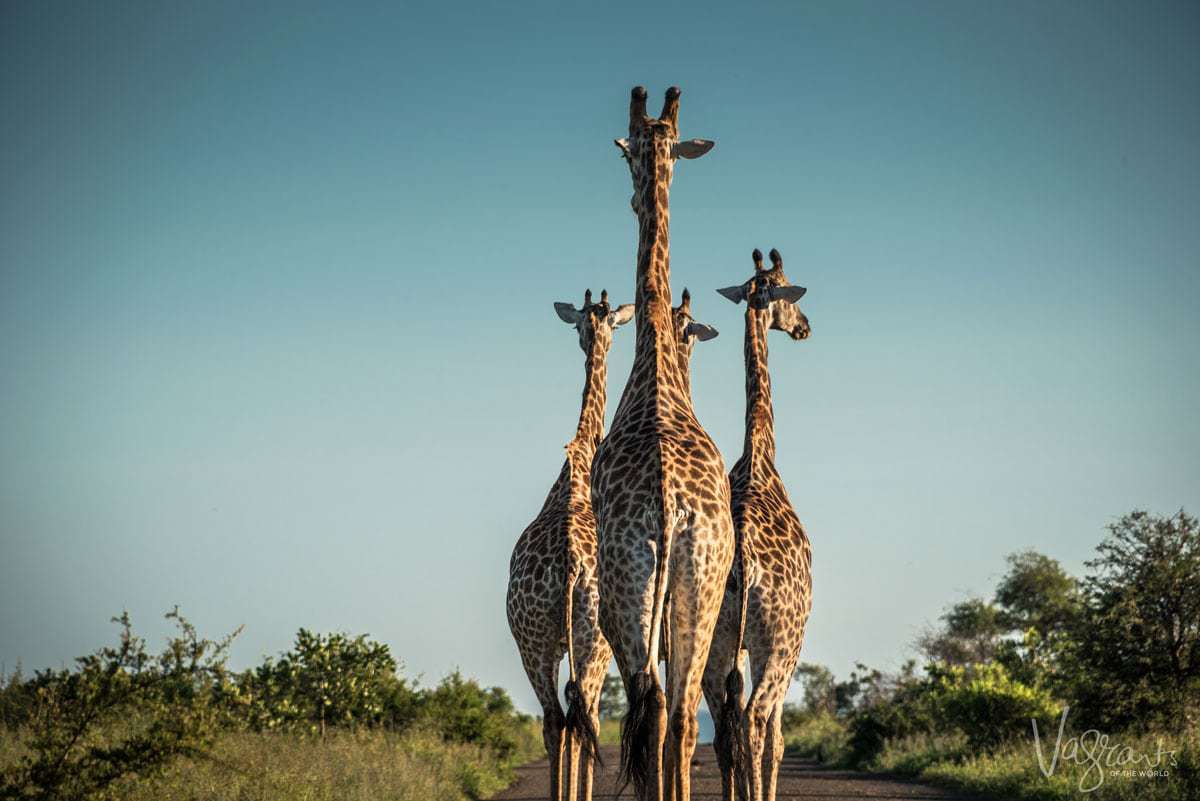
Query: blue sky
pixel 276 332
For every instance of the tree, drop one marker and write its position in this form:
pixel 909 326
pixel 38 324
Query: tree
pixel 329 680
pixel 820 696
pixel 1039 602
pixel 149 708
pixel 1036 593
pixel 1137 648
pixel 970 633
pixel 612 698
pixel 462 711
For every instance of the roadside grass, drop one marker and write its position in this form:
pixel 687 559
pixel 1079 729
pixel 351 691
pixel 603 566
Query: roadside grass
pixel 821 737
pixel 363 765
pixel 1012 772
pixel 610 731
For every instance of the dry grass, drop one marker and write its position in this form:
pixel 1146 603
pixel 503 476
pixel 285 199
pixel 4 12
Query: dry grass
pixel 344 766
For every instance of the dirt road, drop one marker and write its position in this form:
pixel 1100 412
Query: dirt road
pixel 798 779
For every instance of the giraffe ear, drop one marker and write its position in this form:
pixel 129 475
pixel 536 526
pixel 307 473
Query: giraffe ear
pixel 623 144
pixel 621 315
pixel 701 331
pixel 790 294
pixel 567 313
pixel 735 293
pixel 692 148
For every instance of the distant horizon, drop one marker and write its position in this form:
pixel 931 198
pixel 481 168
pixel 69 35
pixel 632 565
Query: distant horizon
pixel 276 289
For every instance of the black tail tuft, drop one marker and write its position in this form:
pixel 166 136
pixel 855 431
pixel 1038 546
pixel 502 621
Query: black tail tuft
pixel 638 742
pixel 579 722
pixel 729 741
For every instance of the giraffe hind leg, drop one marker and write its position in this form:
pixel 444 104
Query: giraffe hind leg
pixel 542 671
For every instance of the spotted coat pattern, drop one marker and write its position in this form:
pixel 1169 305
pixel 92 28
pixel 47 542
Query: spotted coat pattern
pixel 774 564
pixel 659 487
pixel 552 573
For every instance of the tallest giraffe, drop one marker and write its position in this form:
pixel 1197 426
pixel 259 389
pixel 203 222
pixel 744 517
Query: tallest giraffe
pixel 660 495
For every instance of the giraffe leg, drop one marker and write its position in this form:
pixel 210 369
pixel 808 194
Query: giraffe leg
pixel 571 759
pixel 592 654
pixel 552 738
pixel 690 644
pixel 590 762
pixel 774 751
pixel 627 602
pixel 769 689
pixel 542 670
pixel 721 661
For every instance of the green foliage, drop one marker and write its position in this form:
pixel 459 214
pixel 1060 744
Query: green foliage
pixel 345 765
pixel 1010 772
pixel 987 704
pixel 18 699
pixel 1036 593
pixel 970 634
pixel 329 680
pixel 464 712
pixel 820 736
pixel 820 688
pixel 612 698
pixel 122 711
pixel 897 706
pixel 1121 647
pixel 129 724
pixel 1136 650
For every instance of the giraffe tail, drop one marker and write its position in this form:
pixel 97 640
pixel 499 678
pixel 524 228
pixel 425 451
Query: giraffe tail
pixel 647 702
pixel 729 740
pixel 578 724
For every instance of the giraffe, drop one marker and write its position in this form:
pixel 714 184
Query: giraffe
pixel 552 592
pixel 769 593
pixel 687 333
pixel 660 494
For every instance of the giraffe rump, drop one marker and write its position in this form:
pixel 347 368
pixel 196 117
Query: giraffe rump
pixel 638 743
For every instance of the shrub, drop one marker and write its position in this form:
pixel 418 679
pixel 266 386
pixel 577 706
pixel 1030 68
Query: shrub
pixel 122 711
pixel 821 736
pixel 328 680
pixel 987 704
pixel 461 711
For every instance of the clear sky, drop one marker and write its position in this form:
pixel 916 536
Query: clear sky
pixel 276 334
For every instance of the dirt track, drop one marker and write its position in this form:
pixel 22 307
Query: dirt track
pixel 798 779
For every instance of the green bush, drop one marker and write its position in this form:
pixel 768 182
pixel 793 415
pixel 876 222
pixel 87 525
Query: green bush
pixel 987 705
pixel 128 724
pixel 121 712
pixel 461 711
pixel 820 736
pixel 328 680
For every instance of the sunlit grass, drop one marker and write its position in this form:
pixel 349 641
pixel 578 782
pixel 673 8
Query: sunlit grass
pixel 367 765
pixel 1012 771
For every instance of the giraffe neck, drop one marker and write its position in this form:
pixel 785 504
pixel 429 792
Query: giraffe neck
pixel 760 418
pixel 685 374
pixel 685 370
pixel 654 327
pixel 590 430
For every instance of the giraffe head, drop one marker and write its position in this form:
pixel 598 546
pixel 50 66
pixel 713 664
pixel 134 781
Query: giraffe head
pixel 595 321
pixel 687 330
pixel 687 333
pixel 653 145
pixel 770 290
